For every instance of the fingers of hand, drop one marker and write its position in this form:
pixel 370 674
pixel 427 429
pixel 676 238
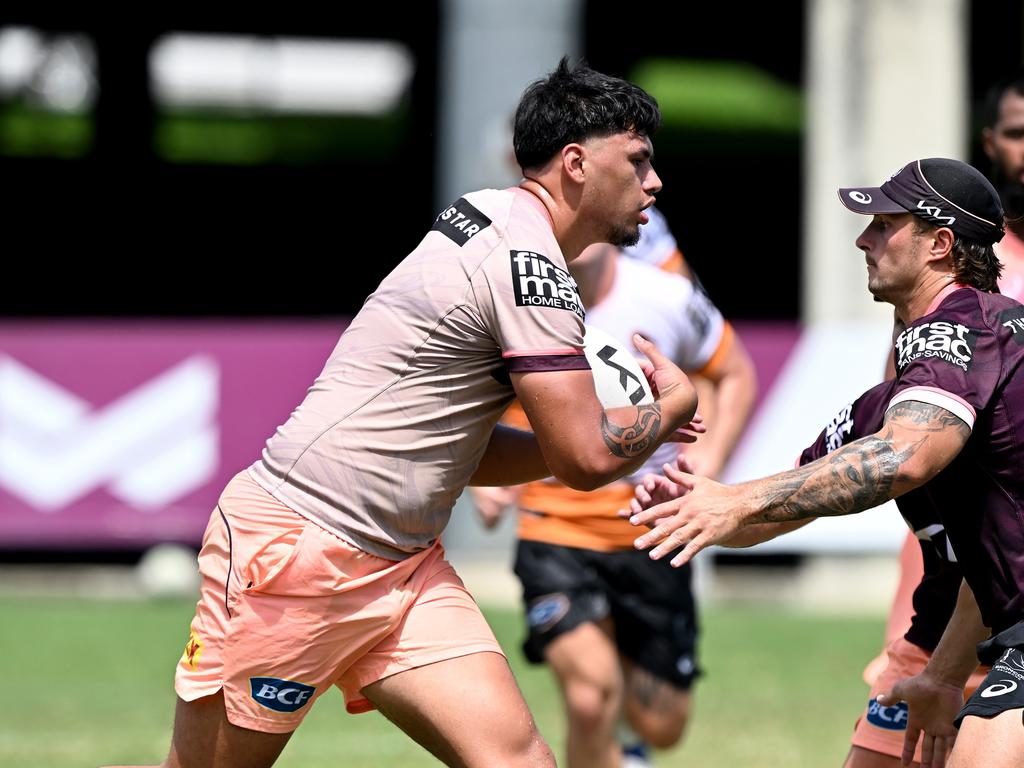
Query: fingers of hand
pixel 910 745
pixel 681 436
pixel 683 479
pixel 656 512
pixel 688 553
pixel 642 497
pixel 887 699
pixel 669 536
pixel 649 349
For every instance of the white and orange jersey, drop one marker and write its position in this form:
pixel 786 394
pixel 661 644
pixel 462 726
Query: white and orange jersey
pixel 688 328
pixel 392 429
pixel 1010 251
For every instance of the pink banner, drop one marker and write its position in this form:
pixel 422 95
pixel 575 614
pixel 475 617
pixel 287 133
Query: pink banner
pixel 122 434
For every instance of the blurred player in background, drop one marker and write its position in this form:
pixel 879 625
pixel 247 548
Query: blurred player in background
pixel 619 630
pixel 659 248
pixel 322 565
pixel 1002 139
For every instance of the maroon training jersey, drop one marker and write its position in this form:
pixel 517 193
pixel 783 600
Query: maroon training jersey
pixel 966 355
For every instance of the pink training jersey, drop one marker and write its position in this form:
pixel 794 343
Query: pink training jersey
pixel 395 425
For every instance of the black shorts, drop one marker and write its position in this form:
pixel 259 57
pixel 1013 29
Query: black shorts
pixel 650 604
pixel 1003 687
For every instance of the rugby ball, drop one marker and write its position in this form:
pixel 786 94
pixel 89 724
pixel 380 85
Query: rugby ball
pixel 617 375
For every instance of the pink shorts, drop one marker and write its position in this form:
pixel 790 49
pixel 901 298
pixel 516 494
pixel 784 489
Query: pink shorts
pixel 288 609
pixel 881 729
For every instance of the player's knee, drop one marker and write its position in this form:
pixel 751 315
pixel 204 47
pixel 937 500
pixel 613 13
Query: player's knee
pixel 662 728
pixel 530 750
pixel 661 732
pixel 592 704
pixel 539 755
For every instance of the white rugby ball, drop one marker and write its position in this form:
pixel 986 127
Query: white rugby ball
pixel 617 375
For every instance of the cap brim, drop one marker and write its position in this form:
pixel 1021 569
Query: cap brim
pixel 869 200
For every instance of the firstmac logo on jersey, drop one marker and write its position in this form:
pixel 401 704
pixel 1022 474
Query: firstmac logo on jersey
pixel 539 283
pixel 460 221
pixel 950 342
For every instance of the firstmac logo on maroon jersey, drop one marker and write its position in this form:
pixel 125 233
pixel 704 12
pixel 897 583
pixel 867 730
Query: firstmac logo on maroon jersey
pixel 950 342
pixel 539 283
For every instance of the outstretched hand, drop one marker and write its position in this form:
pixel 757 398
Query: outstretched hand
pixel 704 513
pixel 656 489
pixel 933 706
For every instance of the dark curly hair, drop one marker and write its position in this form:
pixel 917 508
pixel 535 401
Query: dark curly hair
pixel 974 263
pixel 572 105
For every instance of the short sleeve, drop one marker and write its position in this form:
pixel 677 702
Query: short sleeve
pixel 535 312
pixel 858 419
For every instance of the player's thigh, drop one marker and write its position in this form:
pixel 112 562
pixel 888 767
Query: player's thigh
pixel 203 738
pixel 866 758
pixel 992 742
pixel 467 711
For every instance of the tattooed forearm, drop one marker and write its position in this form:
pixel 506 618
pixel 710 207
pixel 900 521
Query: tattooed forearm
pixel 861 474
pixel 634 440
pixel 855 477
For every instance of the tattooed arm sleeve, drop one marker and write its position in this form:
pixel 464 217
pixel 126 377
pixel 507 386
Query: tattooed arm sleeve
pixel 916 441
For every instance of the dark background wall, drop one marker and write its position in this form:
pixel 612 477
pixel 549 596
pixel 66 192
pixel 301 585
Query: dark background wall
pixel 120 231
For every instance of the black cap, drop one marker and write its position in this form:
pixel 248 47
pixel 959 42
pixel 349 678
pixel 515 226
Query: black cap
pixel 944 192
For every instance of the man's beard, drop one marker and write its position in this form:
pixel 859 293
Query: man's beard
pixel 624 237
pixel 1011 191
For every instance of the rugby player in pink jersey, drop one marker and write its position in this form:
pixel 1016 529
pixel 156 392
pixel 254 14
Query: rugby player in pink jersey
pixel 322 565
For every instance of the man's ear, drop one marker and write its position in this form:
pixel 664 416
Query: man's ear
pixel 988 143
pixel 942 244
pixel 572 162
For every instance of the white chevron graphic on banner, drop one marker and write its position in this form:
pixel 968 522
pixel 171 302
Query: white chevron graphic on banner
pixel 148 448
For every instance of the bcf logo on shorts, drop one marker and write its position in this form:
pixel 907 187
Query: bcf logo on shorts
pixel 889 718
pixel 280 695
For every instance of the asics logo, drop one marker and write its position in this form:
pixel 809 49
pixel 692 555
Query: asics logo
pixel 998 689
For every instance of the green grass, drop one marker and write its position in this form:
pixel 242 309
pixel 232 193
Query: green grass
pixel 89 683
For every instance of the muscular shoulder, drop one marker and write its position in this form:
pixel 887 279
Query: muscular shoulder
pixel 952 331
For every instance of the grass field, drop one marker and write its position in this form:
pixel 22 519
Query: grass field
pixel 89 683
